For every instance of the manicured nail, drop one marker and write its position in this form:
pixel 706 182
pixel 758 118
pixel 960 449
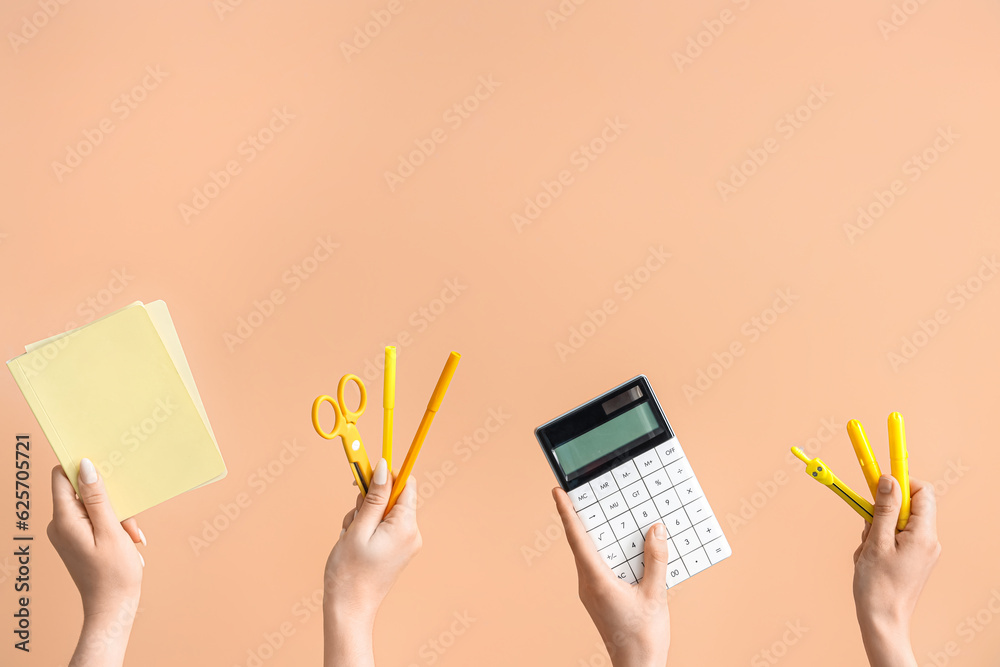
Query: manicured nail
pixel 88 473
pixel 885 484
pixel 142 537
pixel 381 472
pixel 659 532
pixel 142 560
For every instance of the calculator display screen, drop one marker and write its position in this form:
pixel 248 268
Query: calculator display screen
pixel 627 429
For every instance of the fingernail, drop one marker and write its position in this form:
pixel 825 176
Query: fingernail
pixel 381 472
pixel 142 536
pixel 142 560
pixel 885 484
pixel 659 532
pixel 88 473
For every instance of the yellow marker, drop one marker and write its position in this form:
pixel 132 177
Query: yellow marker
pixel 869 466
pixel 425 425
pixel 822 473
pixel 900 465
pixel 388 403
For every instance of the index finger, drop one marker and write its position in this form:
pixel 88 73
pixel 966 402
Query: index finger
pixel 584 550
pixel 923 507
pixel 65 504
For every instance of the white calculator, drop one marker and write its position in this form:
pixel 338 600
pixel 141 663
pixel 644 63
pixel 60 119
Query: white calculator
pixel 623 468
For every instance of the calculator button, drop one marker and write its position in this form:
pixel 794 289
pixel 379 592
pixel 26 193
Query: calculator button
pixel 657 482
pixel 645 513
pixel 676 573
pixel 698 510
pixel 636 494
pixel 604 485
pixel 624 572
pixel 602 536
pixel 625 474
pixel 633 544
pixel 669 451
pixel 591 517
pixel 623 525
pixel 582 496
pixel 689 490
pixel 686 542
pixel 679 471
pixel 613 505
pixel 648 462
pixel 696 561
pixel 638 566
pixel 718 549
pixel 667 502
pixel 676 522
pixel 612 555
pixel 708 530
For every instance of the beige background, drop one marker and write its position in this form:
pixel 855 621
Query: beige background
pixel 323 175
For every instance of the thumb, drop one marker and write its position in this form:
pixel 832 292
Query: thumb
pixel 373 506
pixel 887 503
pixel 95 499
pixel 655 557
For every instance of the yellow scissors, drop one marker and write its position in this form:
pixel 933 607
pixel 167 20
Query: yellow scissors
pixel 346 426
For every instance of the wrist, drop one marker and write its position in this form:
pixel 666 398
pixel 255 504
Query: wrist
pixel 887 642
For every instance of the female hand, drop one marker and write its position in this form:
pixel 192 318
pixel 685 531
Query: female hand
pixel 101 556
pixel 633 620
pixel 890 570
pixel 365 562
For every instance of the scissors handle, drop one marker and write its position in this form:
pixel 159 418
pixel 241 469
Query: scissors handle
pixel 352 415
pixel 338 425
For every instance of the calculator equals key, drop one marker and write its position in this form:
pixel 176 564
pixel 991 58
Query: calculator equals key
pixel 624 470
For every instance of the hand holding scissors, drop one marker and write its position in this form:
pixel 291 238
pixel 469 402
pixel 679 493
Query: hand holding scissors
pixel 346 426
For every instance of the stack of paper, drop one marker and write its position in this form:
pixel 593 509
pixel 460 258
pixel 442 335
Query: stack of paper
pixel 119 392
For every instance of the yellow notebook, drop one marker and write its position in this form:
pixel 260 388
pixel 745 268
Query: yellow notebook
pixel 119 392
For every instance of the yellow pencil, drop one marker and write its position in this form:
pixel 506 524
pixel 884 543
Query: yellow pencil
pixel 388 403
pixel 425 425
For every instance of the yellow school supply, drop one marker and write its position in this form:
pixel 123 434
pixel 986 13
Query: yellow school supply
pixel 437 396
pixel 898 456
pixel 346 426
pixel 388 403
pixel 119 391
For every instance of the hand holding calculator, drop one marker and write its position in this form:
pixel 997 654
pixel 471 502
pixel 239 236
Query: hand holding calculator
pixel 619 461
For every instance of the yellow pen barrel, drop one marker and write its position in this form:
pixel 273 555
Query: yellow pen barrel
pixel 857 503
pixel 447 374
pixel 866 458
pixel 899 459
pixel 388 403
